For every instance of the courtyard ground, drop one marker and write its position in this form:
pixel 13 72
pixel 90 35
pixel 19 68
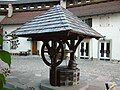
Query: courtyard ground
pixel 28 71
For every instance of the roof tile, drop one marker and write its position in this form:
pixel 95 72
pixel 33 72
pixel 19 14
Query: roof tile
pixel 87 10
pixel 21 17
pixel 96 9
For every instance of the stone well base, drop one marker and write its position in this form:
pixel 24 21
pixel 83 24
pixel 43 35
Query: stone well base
pixel 45 85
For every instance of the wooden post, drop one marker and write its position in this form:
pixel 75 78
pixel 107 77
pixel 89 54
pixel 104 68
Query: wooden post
pixel 72 64
pixel 53 76
pixel 53 72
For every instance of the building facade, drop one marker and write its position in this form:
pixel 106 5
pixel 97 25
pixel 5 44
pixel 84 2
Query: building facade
pixel 102 15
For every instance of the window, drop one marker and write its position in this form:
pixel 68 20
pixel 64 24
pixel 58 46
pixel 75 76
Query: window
pixel 87 0
pixel 16 8
pixel 105 49
pixel 108 49
pixel 84 50
pixel 71 2
pixel 47 6
pixel 2 8
pixel 24 8
pixel 87 49
pixel 88 21
pixel 79 1
pixel 31 7
pixel 13 44
pixel 102 49
pixel 39 7
pixel 6 8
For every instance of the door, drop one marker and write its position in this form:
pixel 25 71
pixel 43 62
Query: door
pixel 104 50
pixel 84 50
pixel 34 47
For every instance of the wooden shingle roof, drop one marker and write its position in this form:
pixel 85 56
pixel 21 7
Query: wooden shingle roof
pixel 56 20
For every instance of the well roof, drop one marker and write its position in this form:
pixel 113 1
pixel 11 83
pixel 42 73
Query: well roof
pixel 56 20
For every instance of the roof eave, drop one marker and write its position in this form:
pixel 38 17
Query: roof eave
pixel 85 35
pixel 11 23
pixel 97 14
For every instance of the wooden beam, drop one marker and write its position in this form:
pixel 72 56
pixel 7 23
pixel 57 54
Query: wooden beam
pixel 78 42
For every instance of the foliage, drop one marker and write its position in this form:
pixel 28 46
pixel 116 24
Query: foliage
pixel 2 80
pixel 1 40
pixel 5 57
pixel 6 89
pixel 5 71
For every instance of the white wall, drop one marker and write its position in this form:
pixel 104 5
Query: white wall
pixel 24 44
pixel 93 51
pixel 39 45
pixel 1 17
pixel 109 26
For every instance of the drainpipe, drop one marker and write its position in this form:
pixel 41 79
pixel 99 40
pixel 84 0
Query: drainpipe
pixel 63 3
pixel 10 10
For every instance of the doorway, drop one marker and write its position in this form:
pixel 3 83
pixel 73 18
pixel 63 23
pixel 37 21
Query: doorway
pixel 84 50
pixel 34 47
pixel 105 50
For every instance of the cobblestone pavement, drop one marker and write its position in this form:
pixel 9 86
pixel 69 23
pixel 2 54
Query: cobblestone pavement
pixel 28 71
